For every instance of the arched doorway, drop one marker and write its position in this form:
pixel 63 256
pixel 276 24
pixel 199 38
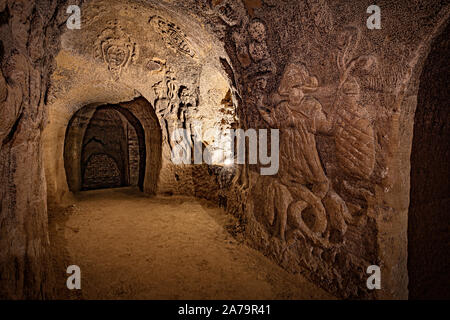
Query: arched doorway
pixel 109 146
pixel 429 219
pixel 113 150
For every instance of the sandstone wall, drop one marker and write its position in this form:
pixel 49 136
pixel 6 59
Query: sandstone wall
pixel 340 200
pixel 29 38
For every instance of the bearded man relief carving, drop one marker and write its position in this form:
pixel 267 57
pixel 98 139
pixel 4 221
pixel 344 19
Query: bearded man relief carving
pixel 300 117
pixel 301 201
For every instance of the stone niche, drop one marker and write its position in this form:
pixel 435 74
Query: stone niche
pixel 343 96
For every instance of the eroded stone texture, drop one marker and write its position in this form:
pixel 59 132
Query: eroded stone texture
pixel 28 40
pixel 102 171
pixel 343 97
pixel 342 90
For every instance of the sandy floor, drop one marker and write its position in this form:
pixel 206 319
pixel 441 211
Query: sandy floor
pixel 132 247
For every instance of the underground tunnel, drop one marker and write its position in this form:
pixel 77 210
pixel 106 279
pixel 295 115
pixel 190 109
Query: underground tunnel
pixel 136 138
pixel 105 147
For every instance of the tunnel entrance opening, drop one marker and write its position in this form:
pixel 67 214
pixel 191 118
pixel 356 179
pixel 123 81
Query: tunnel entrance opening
pixel 429 220
pixel 110 155
pixel 105 147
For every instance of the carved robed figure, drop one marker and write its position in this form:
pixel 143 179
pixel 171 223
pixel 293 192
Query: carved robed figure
pixel 302 190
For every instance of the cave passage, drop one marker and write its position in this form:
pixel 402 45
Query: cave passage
pixel 110 153
pixel 104 148
pixel 175 247
pixel 429 219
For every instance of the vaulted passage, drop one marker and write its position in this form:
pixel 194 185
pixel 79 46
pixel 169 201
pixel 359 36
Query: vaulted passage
pixel 117 149
pixel 429 216
pixel 105 148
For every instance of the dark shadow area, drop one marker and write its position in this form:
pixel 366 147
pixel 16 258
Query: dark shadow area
pixel 429 215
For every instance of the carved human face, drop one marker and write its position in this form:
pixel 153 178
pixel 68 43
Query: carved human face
pixel 186 96
pixel 231 12
pixel 351 89
pixel 290 86
pixel 115 56
pixel 257 31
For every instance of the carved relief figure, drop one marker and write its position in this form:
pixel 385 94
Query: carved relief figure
pixel 172 35
pixel 258 47
pixel 234 15
pixel 175 104
pixel 187 97
pixel 248 36
pixel 232 12
pixel 299 117
pixel 116 49
pixel 166 98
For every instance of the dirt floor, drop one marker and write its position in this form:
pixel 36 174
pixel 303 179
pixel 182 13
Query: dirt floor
pixel 129 246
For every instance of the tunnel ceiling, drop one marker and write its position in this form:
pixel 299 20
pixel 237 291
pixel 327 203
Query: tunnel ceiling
pixel 136 46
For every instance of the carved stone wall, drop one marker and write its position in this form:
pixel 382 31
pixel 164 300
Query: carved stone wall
pixel 336 91
pixel 343 97
pixel 29 40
